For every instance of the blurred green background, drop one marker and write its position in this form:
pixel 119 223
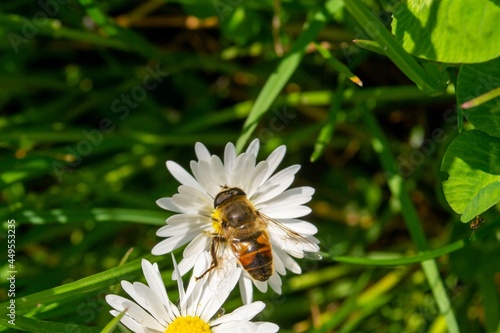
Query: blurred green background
pixel 95 97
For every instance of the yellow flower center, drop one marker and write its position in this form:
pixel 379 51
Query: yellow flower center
pixel 188 324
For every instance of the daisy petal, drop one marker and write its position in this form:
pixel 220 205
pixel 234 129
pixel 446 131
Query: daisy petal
pixel 168 204
pixel 201 152
pixel 229 157
pixel 261 285
pixel 184 266
pixel 264 327
pixel 131 324
pixel 191 303
pixel 278 264
pixel 137 313
pixel 182 223
pixel 220 287
pixel 299 226
pixel 172 243
pixel 218 171
pixel 199 244
pixel 275 283
pixel 292 212
pixel 275 185
pixel 274 160
pixel 153 304
pixel 191 200
pixel 245 167
pixel 155 281
pixel 182 176
pixel 246 289
pixel 203 173
pixel 253 147
pixel 245 312
pixel 288 261
pixel 290 198
pixel 180 284
pixel 236 327
pixel 258 175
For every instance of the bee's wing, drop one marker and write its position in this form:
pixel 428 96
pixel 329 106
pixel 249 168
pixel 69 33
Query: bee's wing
pixel 290 241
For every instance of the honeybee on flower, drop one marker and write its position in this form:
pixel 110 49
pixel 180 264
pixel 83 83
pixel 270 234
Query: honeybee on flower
pixel 240 213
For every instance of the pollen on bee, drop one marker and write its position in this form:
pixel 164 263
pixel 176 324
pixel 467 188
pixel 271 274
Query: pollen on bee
pixel 216 220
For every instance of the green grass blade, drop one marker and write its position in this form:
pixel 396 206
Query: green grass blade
pixel 401 195
pixel 460 120
pixel 65 292
pixel 326 133
pixel 99 17
pixel 490 300
pixel 429 84
pixel 15 24
pixel 136 42
pixel 494 93
pixel 337 65
pixel 349 304
pixel 370 46
pixel 382 260
pixel 70 215
pixel 280 77
pixel 40 326
pixel 110 327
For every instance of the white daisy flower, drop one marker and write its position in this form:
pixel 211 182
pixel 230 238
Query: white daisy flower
pixel 198 309
pixel 202 225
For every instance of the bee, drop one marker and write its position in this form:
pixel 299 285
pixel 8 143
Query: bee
pixel 245 231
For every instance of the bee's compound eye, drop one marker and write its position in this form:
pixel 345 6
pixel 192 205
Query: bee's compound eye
pixel 225 195
pixel 236 191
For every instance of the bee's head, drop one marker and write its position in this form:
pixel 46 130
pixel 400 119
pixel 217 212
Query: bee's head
pixel 226 194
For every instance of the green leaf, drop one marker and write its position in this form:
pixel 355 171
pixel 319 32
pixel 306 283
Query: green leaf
pixel 454 31
pixel 472 162
pixel 430 84
pixel 473 81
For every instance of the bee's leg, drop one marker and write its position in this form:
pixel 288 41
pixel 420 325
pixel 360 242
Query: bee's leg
pixel 213 253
